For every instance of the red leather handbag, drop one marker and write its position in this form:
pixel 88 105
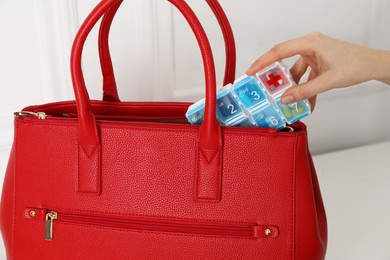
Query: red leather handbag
pixel 132 180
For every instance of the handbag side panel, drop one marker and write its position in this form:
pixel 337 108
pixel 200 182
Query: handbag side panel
pixel 311 225
pixel 7 206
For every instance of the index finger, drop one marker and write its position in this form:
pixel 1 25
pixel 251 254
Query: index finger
pixel 281 51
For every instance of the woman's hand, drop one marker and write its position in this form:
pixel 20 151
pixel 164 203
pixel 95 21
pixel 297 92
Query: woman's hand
pixel 333 64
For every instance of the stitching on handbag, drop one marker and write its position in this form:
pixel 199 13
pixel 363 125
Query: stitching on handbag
pixel 199 153
pixel 294 197
pixel 14 191
pixel 167 129
pixel 98 177
pixel 103 53
pixel 209 200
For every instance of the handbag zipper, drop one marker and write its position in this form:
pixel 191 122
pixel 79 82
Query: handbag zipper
pixel 148 224
pixel 50 217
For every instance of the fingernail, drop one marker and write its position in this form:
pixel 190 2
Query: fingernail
pixel 250 71
pixel 287 99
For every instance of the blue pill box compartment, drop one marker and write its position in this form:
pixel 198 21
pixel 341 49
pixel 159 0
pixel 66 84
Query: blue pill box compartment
pixel 249 93
pixel 268 116
pixel 255 101
pixel 294 111
pixel 228 108
pixel 195 112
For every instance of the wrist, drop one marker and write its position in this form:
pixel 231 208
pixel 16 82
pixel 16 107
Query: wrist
pixel 384 67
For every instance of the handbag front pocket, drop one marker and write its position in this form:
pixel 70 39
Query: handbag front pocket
pixel 150 224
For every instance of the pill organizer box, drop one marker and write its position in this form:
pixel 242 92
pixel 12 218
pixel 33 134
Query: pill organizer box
pixel 255 101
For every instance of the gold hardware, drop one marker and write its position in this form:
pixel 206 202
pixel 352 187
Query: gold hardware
pixel 50 217
pixel 39 115
pixel 267 232
pixel 33 213
pixel 288 129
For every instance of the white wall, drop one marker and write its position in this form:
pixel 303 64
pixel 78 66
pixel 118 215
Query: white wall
pixel 343 118
pixel 156 57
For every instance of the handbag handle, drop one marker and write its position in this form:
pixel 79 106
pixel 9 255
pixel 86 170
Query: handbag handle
pixel 209 150
pixel 110 92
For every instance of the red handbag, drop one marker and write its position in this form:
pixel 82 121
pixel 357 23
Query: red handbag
pixel 132 180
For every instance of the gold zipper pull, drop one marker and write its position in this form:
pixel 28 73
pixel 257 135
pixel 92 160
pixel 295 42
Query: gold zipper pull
pixel 39 115
pixel 50 217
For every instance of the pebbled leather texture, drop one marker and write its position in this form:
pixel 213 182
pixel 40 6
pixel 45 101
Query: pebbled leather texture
pixel 118 180
pixel 148 170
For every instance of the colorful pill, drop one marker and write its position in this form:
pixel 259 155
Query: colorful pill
pixel 287 112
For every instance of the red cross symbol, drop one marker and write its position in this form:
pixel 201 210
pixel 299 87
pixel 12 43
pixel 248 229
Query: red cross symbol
pixel 275 80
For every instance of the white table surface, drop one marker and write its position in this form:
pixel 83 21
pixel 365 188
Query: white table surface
pixel 355 186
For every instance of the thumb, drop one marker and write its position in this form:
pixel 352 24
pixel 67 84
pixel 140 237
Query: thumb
pixel 307 90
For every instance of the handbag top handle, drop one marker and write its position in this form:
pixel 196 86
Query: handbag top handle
pixel 208 170
pixel 110 92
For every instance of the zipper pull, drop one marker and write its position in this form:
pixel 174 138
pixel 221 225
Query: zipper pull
pixel 50 217
pixel 39 115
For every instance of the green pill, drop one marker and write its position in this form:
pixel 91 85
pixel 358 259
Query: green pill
pixel 287 112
